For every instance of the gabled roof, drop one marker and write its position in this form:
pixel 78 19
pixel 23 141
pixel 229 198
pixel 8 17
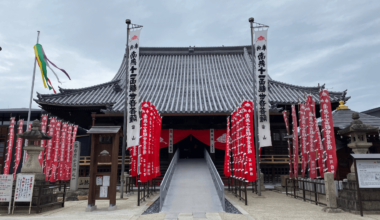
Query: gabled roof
pixel 186 80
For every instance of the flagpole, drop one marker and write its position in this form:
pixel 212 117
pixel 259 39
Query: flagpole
pixel 31 93
pixel 128 22
pixel 255 112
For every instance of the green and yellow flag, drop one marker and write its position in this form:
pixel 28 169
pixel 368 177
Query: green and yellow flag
pixel 43 62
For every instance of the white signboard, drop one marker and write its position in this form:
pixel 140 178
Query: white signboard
pixel 133 116
pixel 261 74
pixel 24 187
pixel 103 192
pixel 99 180
pixel 368 173
pixel 106 180
pixel 6 182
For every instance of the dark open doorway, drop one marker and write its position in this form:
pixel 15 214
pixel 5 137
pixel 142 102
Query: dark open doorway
pixel 191 147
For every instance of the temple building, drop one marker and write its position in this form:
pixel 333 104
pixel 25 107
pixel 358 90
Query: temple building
pixel 194 89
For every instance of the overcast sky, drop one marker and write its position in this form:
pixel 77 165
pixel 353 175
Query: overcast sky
pixel 310 42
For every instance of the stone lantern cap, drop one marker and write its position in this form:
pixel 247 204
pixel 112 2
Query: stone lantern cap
pixel 358 126
pixel 35 134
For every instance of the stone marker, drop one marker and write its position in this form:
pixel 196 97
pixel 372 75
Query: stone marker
pixel 75 167
pixel 331 198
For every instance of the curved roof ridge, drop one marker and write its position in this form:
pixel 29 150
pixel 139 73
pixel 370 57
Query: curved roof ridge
pixel 300 87
pixel 62 90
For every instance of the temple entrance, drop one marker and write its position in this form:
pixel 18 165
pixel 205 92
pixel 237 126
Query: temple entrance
pixel 190 147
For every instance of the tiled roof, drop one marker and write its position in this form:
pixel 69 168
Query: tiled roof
pixel 343 118
pixel 185 80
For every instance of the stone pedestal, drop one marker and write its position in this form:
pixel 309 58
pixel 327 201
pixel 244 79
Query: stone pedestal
pixel 262 182
pixel 348 198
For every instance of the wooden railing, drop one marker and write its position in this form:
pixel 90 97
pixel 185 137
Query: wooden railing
pixel 276 159
pixel 85 161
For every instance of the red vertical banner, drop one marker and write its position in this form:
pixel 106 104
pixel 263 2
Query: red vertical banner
pixel 144 141
pixel 310 133
pixel 239 144
pixel 11 136
pixel 49 148
pixel 320 150
pixel 62 151
pixel 44 120
pixel 250 162
pixel 54 162
pixel 289 148
pixel 303 134
pixel 328 132
pixel 233 149
pixel 158 147
pixel 69 153
pixel 18 147
pixel 227 168
pixel 150 129
pixel 295 141
pixel 133 151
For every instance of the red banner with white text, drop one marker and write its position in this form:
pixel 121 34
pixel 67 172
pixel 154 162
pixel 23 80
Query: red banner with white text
pixel 49 148
pixel 311 139
pixel 44 120
pixel 18 147
pixel 11 135
pixel 295 141
pixel 303 134
pixel 62 151
pixel 320 150
pixel 54 164
pixel 328 132
pixel 227 166
pixel 284 114
pixel 250 160
pixel 69 153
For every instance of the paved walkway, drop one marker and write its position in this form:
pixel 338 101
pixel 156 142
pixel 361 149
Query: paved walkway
pixel 275 206
pixel 192 189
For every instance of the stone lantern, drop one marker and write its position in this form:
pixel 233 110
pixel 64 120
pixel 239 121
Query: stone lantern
pixel 358 133
pixel 34 136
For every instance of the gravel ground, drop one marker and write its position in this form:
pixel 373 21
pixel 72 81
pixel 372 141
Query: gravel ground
pixel 155 208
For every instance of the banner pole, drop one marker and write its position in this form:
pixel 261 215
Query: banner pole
pixel 31 94
pixel 128 22
pixel 255 112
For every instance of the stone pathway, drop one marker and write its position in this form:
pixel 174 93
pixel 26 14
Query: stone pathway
pixel 275 206
pixel 191 189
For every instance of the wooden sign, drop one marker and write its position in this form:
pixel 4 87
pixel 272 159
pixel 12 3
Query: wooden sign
pixel 83 182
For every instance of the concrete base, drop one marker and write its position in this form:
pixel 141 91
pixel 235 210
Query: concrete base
pixel 112 208
pixel 332 210
pixel 90 208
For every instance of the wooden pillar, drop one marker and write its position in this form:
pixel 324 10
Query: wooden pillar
pixel 93 170
pixel 114 167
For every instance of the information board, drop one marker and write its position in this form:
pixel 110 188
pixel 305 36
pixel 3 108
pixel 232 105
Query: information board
pixel 368 173
pixel 6 182
pixel 24 189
